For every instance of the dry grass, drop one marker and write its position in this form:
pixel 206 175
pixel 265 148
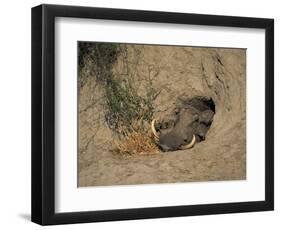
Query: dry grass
pixel 136 143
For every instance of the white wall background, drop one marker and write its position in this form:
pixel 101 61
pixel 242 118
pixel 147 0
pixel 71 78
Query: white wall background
pixel 15 114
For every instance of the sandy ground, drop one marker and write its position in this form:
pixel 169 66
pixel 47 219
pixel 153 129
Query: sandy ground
pixel 218 73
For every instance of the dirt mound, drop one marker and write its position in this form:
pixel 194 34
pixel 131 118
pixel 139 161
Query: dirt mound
pixel 174 72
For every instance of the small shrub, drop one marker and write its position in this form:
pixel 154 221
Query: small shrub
pixel 124 106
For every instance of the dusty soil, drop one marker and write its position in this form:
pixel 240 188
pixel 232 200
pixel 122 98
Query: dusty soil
pixel 218 73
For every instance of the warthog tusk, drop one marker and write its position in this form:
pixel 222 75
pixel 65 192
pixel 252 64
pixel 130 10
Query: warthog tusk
pixel 156 136
pixel 190 145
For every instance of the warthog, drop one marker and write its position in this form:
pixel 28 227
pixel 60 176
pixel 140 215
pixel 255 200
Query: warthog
pixel 188 124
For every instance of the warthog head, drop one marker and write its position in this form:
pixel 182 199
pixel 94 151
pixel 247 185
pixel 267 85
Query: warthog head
pixel 187 125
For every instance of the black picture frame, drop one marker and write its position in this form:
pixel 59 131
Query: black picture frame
pixel 43 114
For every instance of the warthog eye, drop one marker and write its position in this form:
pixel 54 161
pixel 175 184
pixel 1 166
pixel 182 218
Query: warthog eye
pixel 196 117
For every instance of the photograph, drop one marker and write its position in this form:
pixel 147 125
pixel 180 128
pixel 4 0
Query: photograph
pixel 142 114
pixel 152 114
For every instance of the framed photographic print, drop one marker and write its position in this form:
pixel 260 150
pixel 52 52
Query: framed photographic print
pixel 141 114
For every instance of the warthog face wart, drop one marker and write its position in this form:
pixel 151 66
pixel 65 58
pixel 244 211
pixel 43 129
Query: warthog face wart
pixel 186 126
